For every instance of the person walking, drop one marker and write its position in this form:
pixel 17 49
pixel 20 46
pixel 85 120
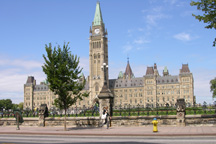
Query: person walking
pixel 107 117
pixel 95 108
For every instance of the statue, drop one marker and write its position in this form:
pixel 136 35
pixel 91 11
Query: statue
pixel 19 118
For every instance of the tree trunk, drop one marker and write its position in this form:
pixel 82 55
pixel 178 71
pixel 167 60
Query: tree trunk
pixel 65 129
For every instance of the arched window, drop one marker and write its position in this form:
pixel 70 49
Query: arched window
pixel 96 87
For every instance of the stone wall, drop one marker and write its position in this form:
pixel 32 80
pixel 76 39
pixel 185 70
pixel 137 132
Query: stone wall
pixel 12 121
pixel 142 120
pixel 116 121
pixel 200 119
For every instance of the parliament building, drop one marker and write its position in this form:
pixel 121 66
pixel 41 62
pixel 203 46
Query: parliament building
pixel 151 90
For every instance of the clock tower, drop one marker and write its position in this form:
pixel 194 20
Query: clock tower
pixel 98 55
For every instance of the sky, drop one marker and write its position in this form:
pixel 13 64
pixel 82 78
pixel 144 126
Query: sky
pixel 147 31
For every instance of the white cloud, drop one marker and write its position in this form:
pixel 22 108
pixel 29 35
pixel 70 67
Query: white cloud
pixel 172 2
pixel 202 85
pixel 15 97
pixel 183 36
pixel 154 14
pixel 140 40
pixel 13 76
pixel 26 64
pixel 187 13
pixel 140 29
pixel 153 18
pixel 84 63
pixel 127 47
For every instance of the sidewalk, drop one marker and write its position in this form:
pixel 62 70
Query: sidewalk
pixel 113 131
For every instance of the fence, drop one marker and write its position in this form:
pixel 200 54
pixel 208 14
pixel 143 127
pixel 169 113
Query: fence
pixel 119 111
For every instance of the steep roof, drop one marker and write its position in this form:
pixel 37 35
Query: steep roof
pixel 185 69
pixel 98 15
pixel 126 83
pixel 149 71
pixel 128 71
pixel 30 80
pixel 168 79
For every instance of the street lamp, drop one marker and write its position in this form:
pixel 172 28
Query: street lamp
pixel 104 67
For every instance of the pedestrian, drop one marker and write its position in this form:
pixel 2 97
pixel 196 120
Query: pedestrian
pixel 107 119
pixel 95 108
pixel 104 116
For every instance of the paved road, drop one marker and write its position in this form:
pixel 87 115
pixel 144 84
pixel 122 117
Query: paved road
pixel 107 139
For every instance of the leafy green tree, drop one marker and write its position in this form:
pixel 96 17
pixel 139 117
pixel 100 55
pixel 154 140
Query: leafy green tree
pixel 209 16
pixel 213 87
pixel 20 106
pixel 6 104
pixel 63 74
pixel 15 106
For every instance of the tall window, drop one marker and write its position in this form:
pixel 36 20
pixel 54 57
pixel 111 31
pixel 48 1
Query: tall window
pixel 96 87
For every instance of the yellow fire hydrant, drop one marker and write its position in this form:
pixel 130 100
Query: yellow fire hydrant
pixel 155 122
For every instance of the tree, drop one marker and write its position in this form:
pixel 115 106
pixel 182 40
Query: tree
pixel 20 105
pixel 15 106
pixel 63 74
pixel 213 87
pixel 6 104
pixel 209 17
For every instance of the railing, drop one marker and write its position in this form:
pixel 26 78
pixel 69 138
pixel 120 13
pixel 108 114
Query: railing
pixel 142 111
pixel 120 110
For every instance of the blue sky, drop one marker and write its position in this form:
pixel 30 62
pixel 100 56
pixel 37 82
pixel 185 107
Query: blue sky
pixel 148 31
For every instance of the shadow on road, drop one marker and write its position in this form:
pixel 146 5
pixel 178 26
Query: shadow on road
pixel 83 128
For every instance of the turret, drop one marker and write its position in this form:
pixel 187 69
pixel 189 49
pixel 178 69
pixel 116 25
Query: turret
pixel 165 71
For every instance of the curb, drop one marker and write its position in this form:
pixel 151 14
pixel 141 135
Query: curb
pixel 98 134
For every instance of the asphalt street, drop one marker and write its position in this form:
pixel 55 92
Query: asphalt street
pixel 36 139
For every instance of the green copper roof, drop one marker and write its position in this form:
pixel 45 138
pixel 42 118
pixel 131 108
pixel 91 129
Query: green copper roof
pixel 98 15
pixel 120 74
pixel 165 69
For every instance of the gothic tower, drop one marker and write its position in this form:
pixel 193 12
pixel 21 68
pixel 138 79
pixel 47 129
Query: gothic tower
pixel 98 55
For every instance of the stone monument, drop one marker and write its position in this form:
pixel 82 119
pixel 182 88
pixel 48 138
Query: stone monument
pixel 43 113
pixel 180 108
pixel 105 96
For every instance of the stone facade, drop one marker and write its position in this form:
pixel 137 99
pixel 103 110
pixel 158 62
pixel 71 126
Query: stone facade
pixel 150 90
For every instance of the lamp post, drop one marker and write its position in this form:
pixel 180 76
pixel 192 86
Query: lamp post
pixel 104 68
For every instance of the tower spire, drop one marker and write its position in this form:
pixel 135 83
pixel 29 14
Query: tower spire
pixel 128 71
pixel 98 15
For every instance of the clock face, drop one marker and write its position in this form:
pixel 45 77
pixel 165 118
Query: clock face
pixel 97 31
